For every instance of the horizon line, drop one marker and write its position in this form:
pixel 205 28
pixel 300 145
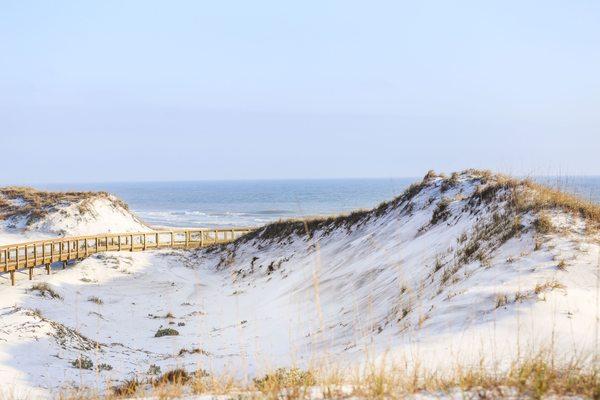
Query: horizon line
pixel 237 180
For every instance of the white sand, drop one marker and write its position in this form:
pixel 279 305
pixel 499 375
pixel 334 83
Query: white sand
pixel 266 304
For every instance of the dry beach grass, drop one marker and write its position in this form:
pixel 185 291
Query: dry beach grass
pixel 532 376
pixel 37 203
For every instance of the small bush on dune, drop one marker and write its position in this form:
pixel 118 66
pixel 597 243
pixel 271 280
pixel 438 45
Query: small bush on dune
pixel 450 182
pixel 430 175
pixel 166 332
pixel 153 370
pixel 95 300
pixel 104 367
pixel 44 290
pixel 285 378
pixel 543 224
pixel 82 362
pixel 177 376
pixel 501 300
pixel 548 286
pixel 441 213
pixel 562 265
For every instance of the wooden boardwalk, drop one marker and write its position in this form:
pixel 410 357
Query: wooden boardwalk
pixel 28 255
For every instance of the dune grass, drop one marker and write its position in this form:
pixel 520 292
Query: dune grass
pixel 524 195
pixel 37 203
pixel 534 377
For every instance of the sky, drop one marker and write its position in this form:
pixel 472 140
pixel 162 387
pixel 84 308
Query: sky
pixel 193 90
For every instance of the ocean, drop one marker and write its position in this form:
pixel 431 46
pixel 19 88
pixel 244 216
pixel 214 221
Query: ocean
pixel 254 203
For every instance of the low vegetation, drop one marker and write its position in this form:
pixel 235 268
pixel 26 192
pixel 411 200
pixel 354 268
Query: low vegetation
pixel 154 370
pixel 522 196
pixel 284 378
pixel 441 213
pixel 96 300
pixel 501 300
pixel 166 332
pixel 177 376
pixel 37 203
pixel 543 223
pixel 532 377
pixel 104 367
pixel 280 230
pixel 126 389
pixel 545 198
pixel 82 362
pixel 45 290
pixel 548 286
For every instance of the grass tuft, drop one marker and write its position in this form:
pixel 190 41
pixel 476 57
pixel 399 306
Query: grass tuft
pixel 441 213
pixel 177 376
pixel 128 388
pixel 45 290
pixel 95 300
pixel 290 379
pixel 543 224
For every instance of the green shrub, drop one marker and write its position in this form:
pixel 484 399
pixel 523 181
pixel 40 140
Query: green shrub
pixel 104 367
pixel 153 370
pixel 82 362
pixel 166 332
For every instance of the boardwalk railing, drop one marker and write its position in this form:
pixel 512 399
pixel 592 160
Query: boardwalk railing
pixel 14 257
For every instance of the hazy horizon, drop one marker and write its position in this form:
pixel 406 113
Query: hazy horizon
pixel 549 178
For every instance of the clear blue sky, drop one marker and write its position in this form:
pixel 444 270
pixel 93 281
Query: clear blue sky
pixel 178 90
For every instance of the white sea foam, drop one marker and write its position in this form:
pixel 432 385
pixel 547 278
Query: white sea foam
pixel 199 218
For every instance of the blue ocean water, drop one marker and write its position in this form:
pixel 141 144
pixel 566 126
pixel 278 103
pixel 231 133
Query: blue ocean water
pixel 245 203
pixel 252 203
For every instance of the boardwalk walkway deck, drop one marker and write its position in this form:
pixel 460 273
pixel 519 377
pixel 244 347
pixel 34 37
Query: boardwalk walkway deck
pixel 20 256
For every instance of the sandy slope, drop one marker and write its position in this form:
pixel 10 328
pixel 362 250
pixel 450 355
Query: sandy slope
pixel 396 280
pixel 82 217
